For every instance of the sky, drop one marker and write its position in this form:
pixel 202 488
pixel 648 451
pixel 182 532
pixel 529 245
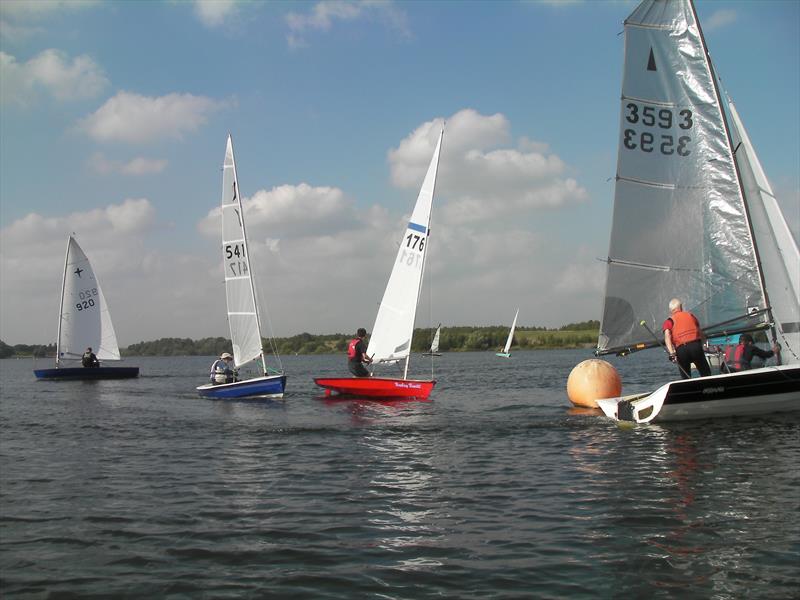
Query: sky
pixel 114 115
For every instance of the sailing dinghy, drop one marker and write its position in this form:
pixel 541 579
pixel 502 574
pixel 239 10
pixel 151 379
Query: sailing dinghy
pixel 84 322
pixel 505 353
pixel 390 341
pixel 694 218
pixel 243 317
pixel 434 351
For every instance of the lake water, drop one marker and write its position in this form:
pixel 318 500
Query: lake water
pixel 493 489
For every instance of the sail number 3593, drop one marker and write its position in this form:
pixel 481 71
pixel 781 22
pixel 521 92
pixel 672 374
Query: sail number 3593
pixel 659 119
pixel 235 260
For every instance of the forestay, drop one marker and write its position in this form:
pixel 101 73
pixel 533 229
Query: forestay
pixel 84 320
pixel 680 225
pixel 391 336
pixel 242 311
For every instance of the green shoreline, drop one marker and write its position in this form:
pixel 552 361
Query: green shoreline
pixel 452 339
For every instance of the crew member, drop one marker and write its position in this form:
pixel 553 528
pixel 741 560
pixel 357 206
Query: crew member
pixel 89 359
pixel 684 340
pixel 357 354
pixel 222 371
pixel 744 352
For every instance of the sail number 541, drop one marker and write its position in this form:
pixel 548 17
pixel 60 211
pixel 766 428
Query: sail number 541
pixel 659 119
pixel 235 259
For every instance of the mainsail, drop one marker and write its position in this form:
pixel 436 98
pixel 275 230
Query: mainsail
pixel 680 224
pixel 435 342
pixel 510 339
pixel 391 336
pixel 242 308
pixel 84 319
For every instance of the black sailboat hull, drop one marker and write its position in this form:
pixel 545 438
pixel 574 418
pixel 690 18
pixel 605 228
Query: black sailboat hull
pixel 84 373
pixel 759 391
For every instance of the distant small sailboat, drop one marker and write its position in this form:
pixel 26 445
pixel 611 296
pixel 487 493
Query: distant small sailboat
pixel 243 316
pixel 390 341
pixel 434 351
pixel 84 322
pixel 505 353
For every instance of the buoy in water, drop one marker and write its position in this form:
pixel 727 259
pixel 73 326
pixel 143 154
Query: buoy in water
pixel 593 379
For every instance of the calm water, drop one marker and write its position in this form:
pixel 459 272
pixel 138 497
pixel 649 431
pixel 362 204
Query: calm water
pixel 494 489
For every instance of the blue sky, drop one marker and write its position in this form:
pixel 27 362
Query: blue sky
pixel 113 119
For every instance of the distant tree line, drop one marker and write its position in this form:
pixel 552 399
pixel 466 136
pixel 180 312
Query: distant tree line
pixel 452 339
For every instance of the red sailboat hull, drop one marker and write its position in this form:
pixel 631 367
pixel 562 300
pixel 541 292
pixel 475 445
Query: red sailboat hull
pixel 377 387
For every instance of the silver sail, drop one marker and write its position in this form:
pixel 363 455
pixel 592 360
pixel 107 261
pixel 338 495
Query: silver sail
pixel 680 226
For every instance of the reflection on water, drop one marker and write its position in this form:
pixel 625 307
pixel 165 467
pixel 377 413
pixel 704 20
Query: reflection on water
pixel 493 488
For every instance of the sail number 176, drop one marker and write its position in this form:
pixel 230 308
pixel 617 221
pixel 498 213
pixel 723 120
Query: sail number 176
pixel 412 252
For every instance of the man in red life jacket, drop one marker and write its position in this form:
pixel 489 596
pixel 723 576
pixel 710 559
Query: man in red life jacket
pixel 357 354
pixel 684 340
pixel 742 356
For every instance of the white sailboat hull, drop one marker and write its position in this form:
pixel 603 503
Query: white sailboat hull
pixel 754 392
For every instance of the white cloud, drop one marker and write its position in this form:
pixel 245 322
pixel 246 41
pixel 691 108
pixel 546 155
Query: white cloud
pixel 50 71
pixel 720 19
pixel 139 119
pixel 38 9
pixel 13 33
pixel 479 179
pixel 137 166
pixel 213 13
pixel 324 15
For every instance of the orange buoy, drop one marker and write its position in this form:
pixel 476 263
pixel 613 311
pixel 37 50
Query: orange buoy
pixel 593 379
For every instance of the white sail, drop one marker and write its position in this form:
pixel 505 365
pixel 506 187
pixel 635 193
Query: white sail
pixel 777 249
pixel 84 320
pixel 240 292
pixel 394 326
pixel 511 334
pixel 435 342
pixel 680 226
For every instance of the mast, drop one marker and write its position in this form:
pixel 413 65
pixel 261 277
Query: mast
pixel 61 303
pixel 747 219
pixel 247 255
pixel 425 254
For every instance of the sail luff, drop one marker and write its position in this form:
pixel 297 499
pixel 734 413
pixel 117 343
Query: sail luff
pixel 61 302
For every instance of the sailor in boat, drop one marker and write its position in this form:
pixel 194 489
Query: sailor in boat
pixel 89 359
pixel 684 340
pixel 357 354
pixel 221 370
pixel 740 358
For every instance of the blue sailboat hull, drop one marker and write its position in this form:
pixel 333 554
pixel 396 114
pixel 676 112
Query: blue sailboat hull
pixel 83 373
pixel 270 386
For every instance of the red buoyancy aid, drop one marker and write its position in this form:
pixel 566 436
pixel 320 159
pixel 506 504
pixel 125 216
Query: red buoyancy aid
pixel 729 353
pixel 684 328
pixel 351 348
pixel 738 355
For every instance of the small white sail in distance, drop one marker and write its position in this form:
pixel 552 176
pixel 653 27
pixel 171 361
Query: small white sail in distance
pixel 390 340
pixel 84 320
pixel 511 333
pixel 435 342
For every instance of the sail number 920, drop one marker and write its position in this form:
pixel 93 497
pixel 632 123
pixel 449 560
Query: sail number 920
pixel 659 119
pixel 86 298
